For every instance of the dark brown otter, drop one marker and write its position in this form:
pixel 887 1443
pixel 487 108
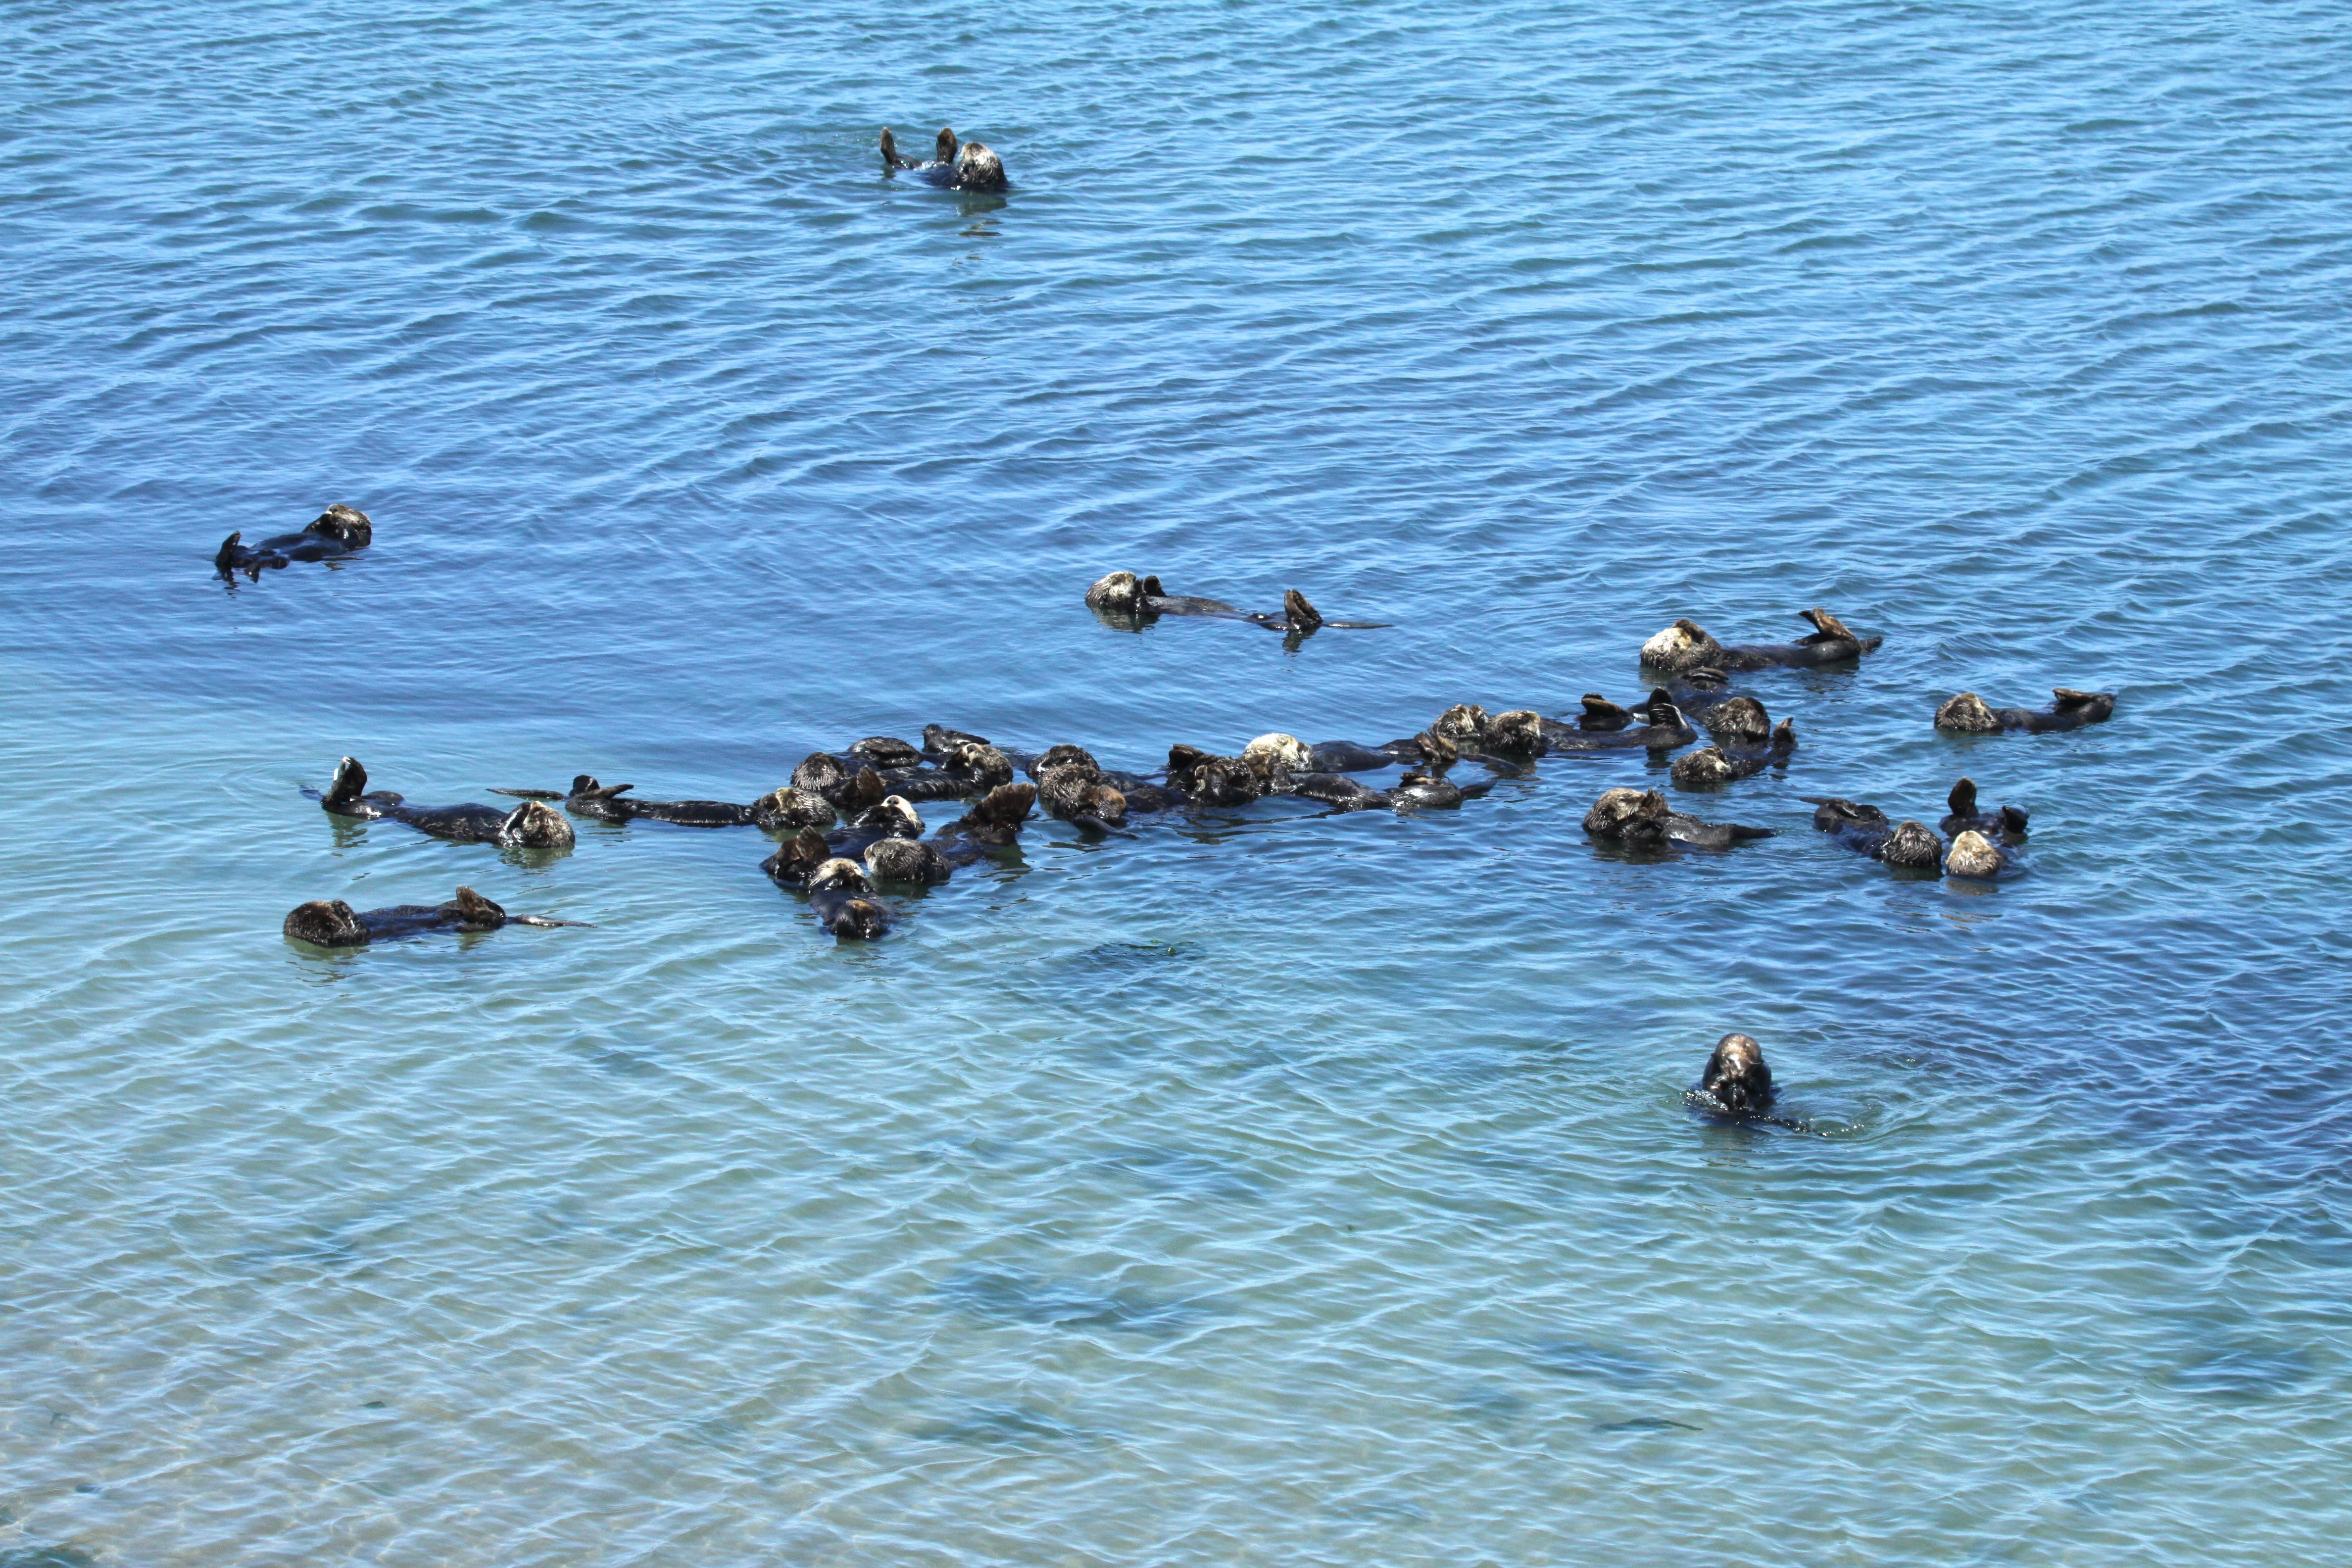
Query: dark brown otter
pixel 1907 846
pixel 843 901
pixel 1736 1081
pixel 1685 645
pixel 1712 767
pixel 1969 714
pixel 993 823
pixel 330 922
pixel 338 532
pixel 533 825
pixel 1641 819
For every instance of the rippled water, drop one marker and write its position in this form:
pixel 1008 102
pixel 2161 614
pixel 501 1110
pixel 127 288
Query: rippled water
pixel 1261 1187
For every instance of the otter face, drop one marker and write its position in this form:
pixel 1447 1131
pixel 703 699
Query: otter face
pixel 905 860
pixel 885 751
pixel 326 923
pixel 790 808
pixel 1627 814
pixel 1120 594
pixel 1742 718
pixel 895 817
pixel 1707 768
pixel 535 825
pixel 346 524
pixel 1465 723
pixel 1967 714
pixel 839 874
pixel 978 168
pixel 1278 752
pixel 1736 1078
pixel 1680 646
pixel 1973 855
pixel 820 771
pixel 1518 733
pixel 1912 847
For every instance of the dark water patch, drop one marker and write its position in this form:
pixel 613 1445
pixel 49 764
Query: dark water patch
pixel 1013 1295
pixel 1585 1360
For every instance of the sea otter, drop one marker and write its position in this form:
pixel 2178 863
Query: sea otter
pixel 533 825
pixel 789 808
pixel 796 860
pixel 1641 819
pixel 2009 822
pixel 892 817
pixel 843 901
pixel 1712 767
pixel 1968 714
pixel 1208 780
pixel 330 922
pixel 1074 791
pixel 966 166
pixel 850 788
pixel 1514 737
pixel 1973 855
pixel 1907 844
pixel 1130 601
pixel 1683 646
pixel 608 803
pixel 905 860
pixel 1656 724
pixel 1348 757
pixel 335 532
pixel 1736 1081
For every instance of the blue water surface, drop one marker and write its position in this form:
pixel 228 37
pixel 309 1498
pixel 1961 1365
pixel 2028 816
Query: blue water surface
pixel 1257 1186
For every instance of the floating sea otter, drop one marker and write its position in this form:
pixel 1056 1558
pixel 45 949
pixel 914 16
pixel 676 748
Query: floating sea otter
pixel 1712 767
pixel 533 825
pixel 1904 845
pixel 1968 714
pixel 1976 855
pixel 1736 1082
pixel 330 922
pixel 338 532
pixel 842 900
pixel 1130 601
pixel 967 166
pixel 611 802
pixel 1656 724
pixel 1641 819
pixel 1685 646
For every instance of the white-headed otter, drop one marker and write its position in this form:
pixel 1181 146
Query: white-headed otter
pixel 533 825
pixel 1975 855
pixel 1685 646
pixel 843 901
pixel 965 166
pixel 1736 1082
pixel 1969 714
pixel 330 922
pixel 335 532
pixel 1641 819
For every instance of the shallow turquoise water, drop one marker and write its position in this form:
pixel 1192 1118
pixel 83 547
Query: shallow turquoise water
pixel 1262 1187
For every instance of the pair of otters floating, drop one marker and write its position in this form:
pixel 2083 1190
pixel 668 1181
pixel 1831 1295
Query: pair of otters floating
pixel 959 166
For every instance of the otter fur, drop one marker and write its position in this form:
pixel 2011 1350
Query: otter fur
pixel 1641 819
pixel 1686 646
pixel 1975 855
pixel 338 532
pixel 1735 1080
pixel 791 808
pixel 1907 846
pixel 841 898
pixel 533 825
pixel 1076 791
pixel 796 860
pixel 1969 714
pixel 1712 767
pixel 1208 780
pixel 905 860
pixel 330 922
pixel 992 822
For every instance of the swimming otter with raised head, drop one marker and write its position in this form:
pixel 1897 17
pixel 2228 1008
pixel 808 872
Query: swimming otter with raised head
pixel 533 825
pixel 843 901
pixel 338 532
pixel 2009 822
pixel 961 166
pixel 1905 845
pixel 1969 714
pixel 1712 767
pixel 330 922
pixel 1736 1081
pixel 1641 819
pixel 1685 645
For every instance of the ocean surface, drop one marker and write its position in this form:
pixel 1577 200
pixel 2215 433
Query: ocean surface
pixel 1256 1186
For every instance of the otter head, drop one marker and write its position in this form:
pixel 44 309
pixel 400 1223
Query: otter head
pixel 790 808
pixel 820 771
pixel 885 751
pixel 473 912
pixel 1518 733
pixel 802 854
pixel 535 825
pixel 978 168
pixel 347 524
pixel 1183 761
pixel 1120 594
pixel 978 763
pixel 1972 855
pixel 1063 757
pixel 894 816
pixel 1740 721
pixel 1912 847
pixel 839 874
pixel 1706 768
pixel 350 784
pixel 1736 1078
pixel 1465 723
pixel 1682 646
pixel 1627 814
pixel 326 923
pixel 1967 714
pixel 860 918
pixel 904 860
pixel 1278 754
pixel 1224 781
pixel 945 146
pixel 1101 805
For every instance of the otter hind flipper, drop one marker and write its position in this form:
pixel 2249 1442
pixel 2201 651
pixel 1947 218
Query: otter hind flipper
pixel 1300 614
